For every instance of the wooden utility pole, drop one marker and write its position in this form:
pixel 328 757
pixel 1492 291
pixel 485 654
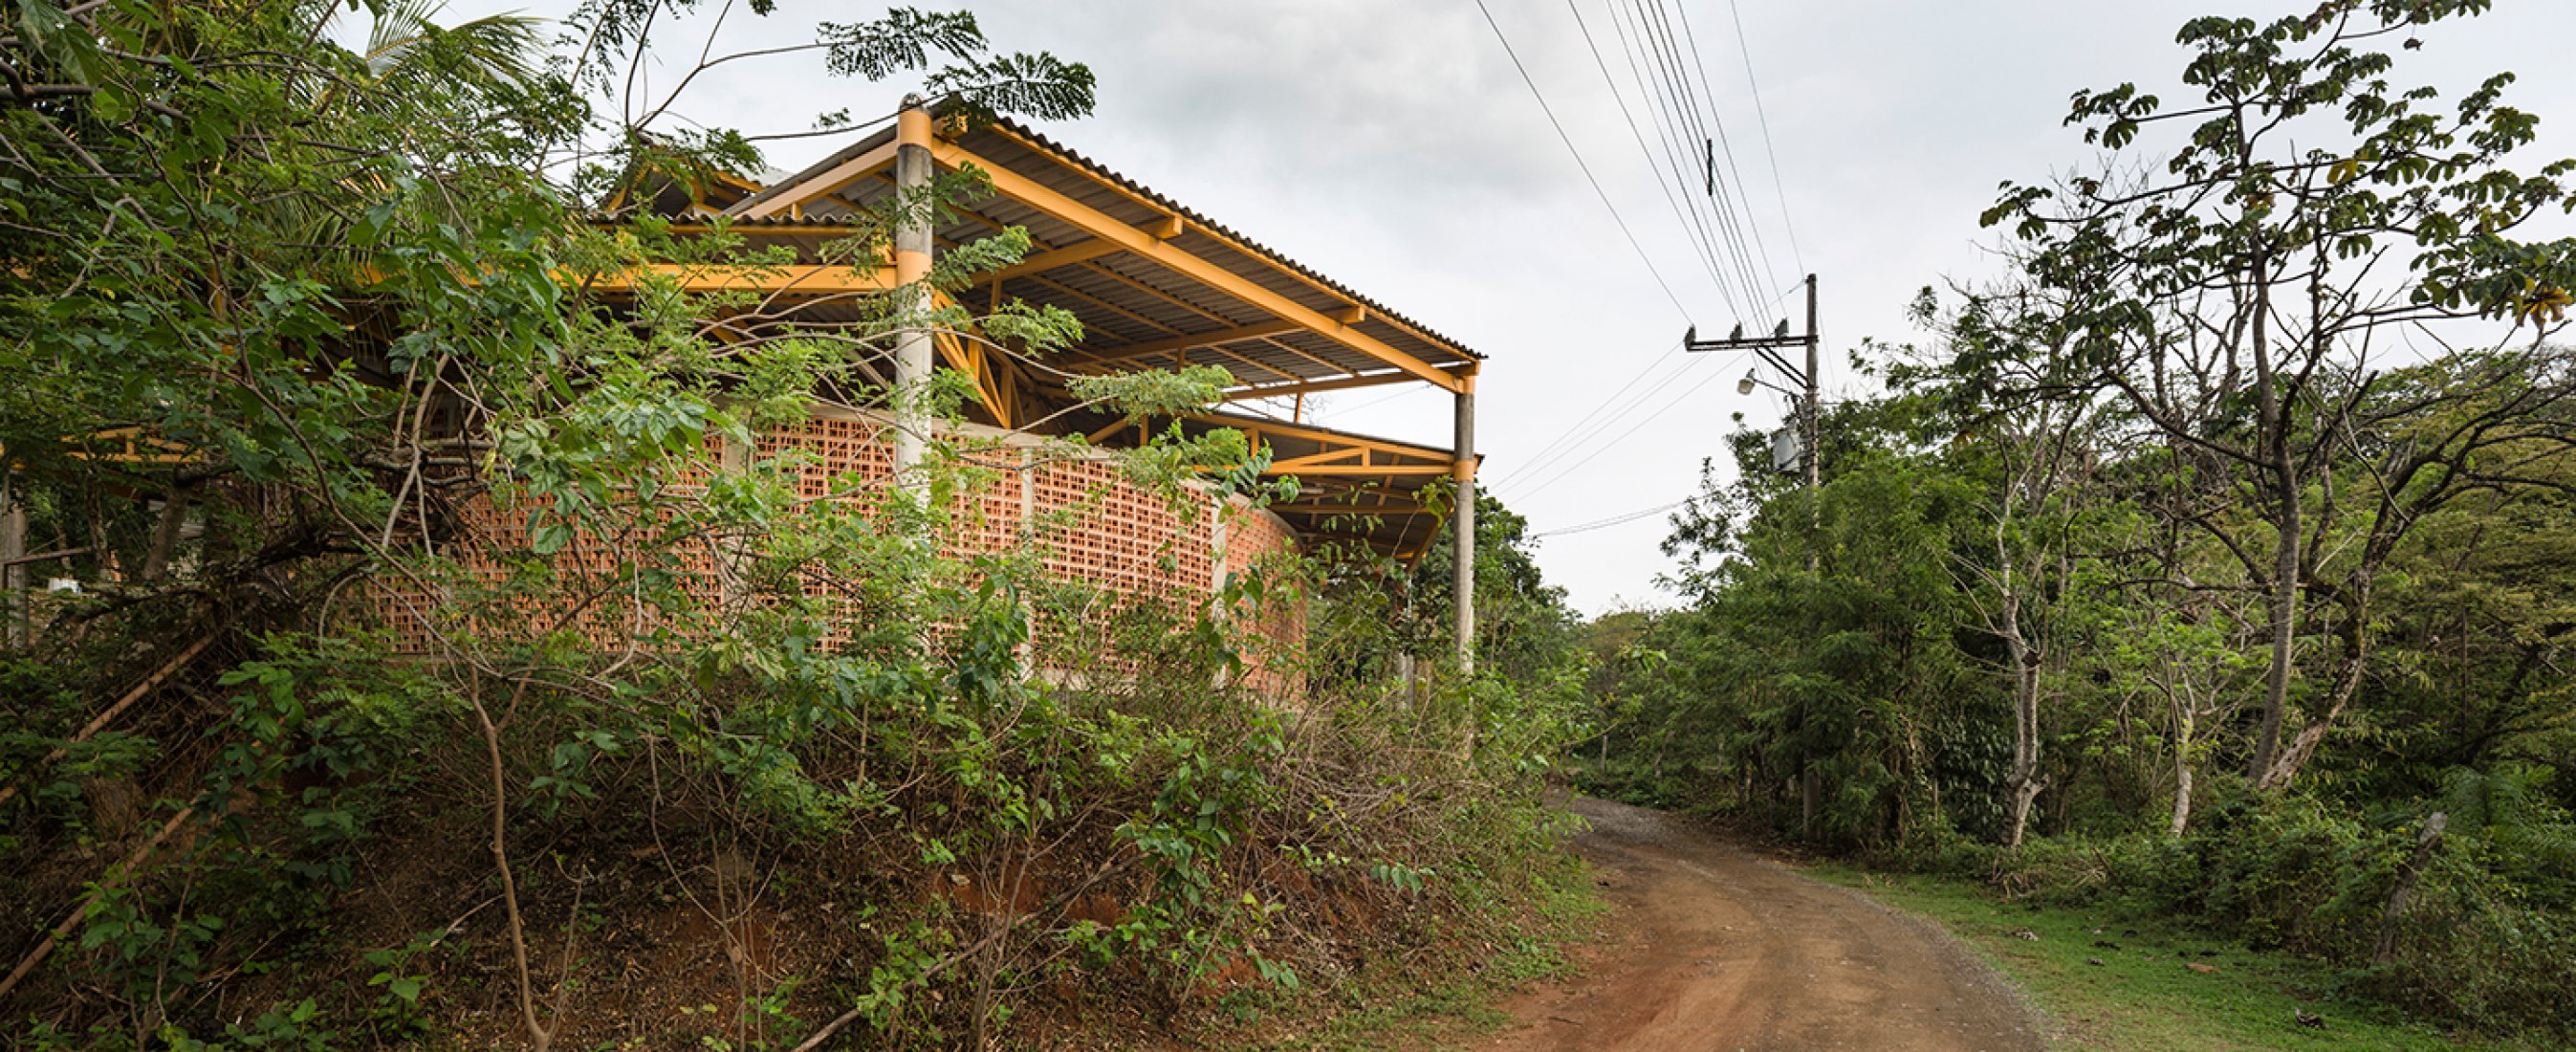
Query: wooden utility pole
pixel 912 246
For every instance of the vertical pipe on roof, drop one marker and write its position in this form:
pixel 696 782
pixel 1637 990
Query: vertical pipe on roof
pixel 912 246
pixel 1463 530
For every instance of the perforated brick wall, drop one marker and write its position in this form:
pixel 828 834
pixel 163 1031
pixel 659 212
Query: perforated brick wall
pixel 1087 523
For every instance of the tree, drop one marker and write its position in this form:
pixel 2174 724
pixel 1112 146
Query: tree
pixel 2233 296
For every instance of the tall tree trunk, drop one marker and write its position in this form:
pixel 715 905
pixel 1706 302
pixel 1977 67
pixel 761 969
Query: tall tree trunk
pixel 2272 436
pixel 2283 624
pixel 2182 774
pixel 13 574
pixel 2023 785
pixel 2384 949
pixel 2347 682
pixel 1809 788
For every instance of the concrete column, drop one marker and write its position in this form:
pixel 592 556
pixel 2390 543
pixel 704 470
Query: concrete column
pixel 912 247
pixel 1463 526
pixel 1814 466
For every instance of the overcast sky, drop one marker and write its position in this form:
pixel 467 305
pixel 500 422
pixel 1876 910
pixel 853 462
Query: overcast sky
pixel 1393 147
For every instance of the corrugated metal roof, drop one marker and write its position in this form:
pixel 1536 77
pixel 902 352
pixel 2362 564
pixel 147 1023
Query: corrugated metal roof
pixel 1184 211
pixel 1063 171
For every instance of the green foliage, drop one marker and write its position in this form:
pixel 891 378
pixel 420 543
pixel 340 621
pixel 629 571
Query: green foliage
pixel 310 358
pixel 2227 602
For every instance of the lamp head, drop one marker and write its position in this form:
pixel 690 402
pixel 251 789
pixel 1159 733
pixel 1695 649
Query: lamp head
pixel 1744 386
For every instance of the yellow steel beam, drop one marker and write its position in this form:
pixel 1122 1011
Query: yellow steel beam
pixel 828 182
pixel 1086 251
pixel 1323 459
pixel 1062 257
pixel 1164 229
pixel 800 279
pixel 1150 348
pixel 1371 471
pixel 1328 438
pixel 1417 332
pixel 1256 392
pixel 1035 195
pixel 1380 511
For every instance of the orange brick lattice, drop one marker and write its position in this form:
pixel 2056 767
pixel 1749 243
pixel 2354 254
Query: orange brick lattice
pixel 1083 520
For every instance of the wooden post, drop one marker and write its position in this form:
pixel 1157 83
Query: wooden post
pixel 13 574
pixel 1463 527
pixel 912 247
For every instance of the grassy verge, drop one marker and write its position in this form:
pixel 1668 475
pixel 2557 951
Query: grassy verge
pixel 2108 982
pixel 1446 997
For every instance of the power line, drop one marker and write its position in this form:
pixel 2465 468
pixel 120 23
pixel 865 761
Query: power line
pixel 1615 520
pixel 1744 192
pixel 1579 161
pixel 1671 129
pixel 1623 436
pixel 1578 434
pixel 1657 33
pixel 1708 256
pixel 1778 185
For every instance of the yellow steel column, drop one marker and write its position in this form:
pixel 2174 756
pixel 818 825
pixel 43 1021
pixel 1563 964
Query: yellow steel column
pixel 913 166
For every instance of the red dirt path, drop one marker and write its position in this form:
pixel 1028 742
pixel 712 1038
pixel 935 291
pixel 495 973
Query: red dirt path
pixel 1719 950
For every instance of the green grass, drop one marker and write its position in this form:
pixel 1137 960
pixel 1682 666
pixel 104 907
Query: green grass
pixel 2142 995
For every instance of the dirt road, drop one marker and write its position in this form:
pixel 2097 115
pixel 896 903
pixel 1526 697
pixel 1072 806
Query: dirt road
pixel 1721 951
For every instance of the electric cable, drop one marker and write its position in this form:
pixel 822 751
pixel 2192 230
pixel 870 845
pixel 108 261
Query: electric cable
pixel 1656 34
pixel 1670 129
pixel 1578 433
pixel 1743 190
pixel 1615 520
pixel 1778 185
pixel 1708 255
pixel 1569 469
pixel 1579 161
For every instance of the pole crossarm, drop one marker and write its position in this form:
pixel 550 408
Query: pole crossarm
pixel 1762 346
pixel 1091 221
pixel 1749 343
